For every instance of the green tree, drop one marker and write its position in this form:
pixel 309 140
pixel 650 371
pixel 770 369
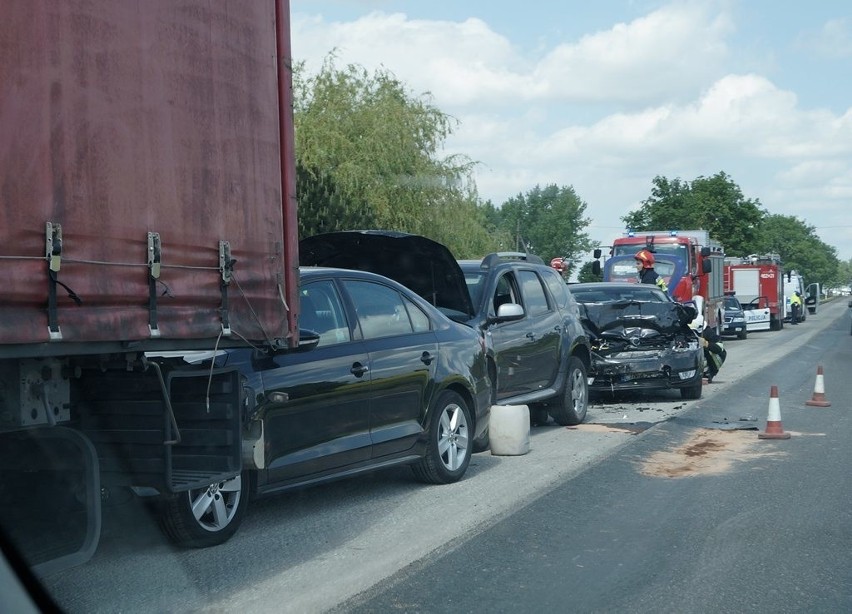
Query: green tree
pixel 799 247
pixel 715 204
pixel 586 274
pixel 367 153
pixel 548 222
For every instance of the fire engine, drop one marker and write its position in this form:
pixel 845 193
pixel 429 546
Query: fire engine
pixel 690 261
pixel 758 282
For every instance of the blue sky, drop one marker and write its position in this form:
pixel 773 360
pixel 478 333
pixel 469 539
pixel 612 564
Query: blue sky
pixel 603 96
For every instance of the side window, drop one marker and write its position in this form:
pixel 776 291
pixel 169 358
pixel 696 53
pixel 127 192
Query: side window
pixel 558 288
pixel 322 312
pixel 534 296
pixel 419 320
pixel 381 310
pixel 506 291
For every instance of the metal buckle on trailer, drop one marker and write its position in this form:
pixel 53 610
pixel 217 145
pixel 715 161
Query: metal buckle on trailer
pixel 53 255
pixel 226 268
pixel 154 264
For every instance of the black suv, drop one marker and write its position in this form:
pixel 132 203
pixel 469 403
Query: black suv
pixel 538 353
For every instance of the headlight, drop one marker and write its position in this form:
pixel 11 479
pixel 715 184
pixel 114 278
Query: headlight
pixel 687 374
pixel 739 319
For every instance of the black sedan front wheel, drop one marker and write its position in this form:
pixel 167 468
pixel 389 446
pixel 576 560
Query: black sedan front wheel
pixel 206 516
pixel 449 447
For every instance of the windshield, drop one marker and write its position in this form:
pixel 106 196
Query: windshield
pixel 673 249
pixel 606 293
pixel 475 285
pixel 625 270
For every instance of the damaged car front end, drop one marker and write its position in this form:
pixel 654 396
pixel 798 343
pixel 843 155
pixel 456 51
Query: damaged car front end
pixel 642 345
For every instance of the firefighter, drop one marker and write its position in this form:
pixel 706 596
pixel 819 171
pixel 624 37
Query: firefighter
pixel 795 307
pixel 645 268
pixel 714 353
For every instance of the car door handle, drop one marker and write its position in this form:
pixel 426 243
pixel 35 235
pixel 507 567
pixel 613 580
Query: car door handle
pixel 358 369
pixel 426 358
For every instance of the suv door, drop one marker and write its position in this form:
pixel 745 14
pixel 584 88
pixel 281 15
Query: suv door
pixel 527 350
pixel 544 329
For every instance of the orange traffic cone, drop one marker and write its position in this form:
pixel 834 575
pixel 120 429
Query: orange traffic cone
pixel 818 399
pixel 774 430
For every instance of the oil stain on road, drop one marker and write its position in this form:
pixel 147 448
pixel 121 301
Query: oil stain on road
pixel 707 452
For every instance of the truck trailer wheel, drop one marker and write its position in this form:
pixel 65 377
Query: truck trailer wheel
pixel 206 516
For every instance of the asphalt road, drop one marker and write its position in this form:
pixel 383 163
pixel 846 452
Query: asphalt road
pixel 686 519
pixel 590 520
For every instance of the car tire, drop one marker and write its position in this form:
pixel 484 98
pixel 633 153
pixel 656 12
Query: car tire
pixel 743 334
pixel 573 404
pixel 449 445
pixel 691 393
pixel 219 510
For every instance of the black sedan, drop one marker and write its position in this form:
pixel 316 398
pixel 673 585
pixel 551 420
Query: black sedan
pixel 390 381
pixel 641 339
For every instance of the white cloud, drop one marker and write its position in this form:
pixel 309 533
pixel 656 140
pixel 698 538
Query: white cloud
pixel 669 52
pixel 833 40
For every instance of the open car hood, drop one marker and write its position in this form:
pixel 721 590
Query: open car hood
pixel 423 265
pixel 614 319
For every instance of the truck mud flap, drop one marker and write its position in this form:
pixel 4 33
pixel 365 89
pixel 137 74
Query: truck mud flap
pixel 50 501
pixel 185 437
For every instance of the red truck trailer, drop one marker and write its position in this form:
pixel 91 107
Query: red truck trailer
pixel 758 280
pixel 147 207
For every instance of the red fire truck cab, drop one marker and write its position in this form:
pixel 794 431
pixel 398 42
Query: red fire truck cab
pixel 703 264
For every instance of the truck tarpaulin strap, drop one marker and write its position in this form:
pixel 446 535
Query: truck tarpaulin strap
pixel 154 262
pixel 226 267
pixel 53 253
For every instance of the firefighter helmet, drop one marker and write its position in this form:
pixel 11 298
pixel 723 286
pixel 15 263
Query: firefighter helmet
pixel 646 258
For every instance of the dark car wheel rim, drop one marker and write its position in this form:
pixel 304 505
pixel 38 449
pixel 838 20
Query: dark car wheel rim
pixel 453 439
pixel 214 507
pixel 578 391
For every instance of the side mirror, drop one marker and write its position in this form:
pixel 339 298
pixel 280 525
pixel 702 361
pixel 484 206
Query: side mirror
pixel 596 267
pixel 706 265
pixel 597 253
pixel 509 312
pixel 308 340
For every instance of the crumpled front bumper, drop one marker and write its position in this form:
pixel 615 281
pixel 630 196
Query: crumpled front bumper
pixel 643 370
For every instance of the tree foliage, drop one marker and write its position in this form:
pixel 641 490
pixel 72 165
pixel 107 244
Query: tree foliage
pixel 586 274
pixel 715 204
pixel 799 247
pixel 367 156
pixel 548 222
